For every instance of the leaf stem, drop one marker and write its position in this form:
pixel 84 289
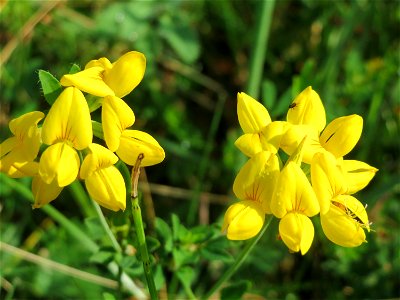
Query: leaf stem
pixel 137 218
pixel 242 257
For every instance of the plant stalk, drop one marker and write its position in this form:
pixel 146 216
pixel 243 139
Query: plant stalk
pixel 137 218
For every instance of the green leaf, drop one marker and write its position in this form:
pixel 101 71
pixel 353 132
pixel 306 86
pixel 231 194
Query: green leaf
pixel 97 129
pixel 152 244
pixel 51 87
pixel 184 256
pixel 74 69
pixel 186 276
pixel 235 290
pixel 182 39
pixel 108 296
pixel 102 257
pixel 165 233
pixel 94 227
pixel 198 234
pixel 179 231
pixel 216 250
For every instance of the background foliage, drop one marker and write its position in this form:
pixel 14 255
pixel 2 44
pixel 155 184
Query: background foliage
pixel 198 56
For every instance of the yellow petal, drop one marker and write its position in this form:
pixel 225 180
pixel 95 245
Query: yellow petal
pixel 344 222
pixel 116 116
pixel 293 193
pixel 358 174
pixel 126 73
pixel 69 120
pixel 107 187
pixel 295 134
pixel 272 134
pixel 243 220
pixel 307 109
pixel 342 134
pixel 135 142
pixel 249 144
pixel 18 169
pixel 297 232
pixel 253 116
pixel 44 193
pixel 89 80
pixel 257 179
pixel 101 62
pixel 26 140
pixel 59 163
pixel 99 157
pixel 327 179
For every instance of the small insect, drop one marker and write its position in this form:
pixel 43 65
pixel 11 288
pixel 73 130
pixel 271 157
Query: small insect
pixel 293 105
pixel 349 212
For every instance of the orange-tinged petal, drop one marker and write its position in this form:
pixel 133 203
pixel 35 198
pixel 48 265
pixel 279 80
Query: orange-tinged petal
pixel 135 142
pixel 297 232
pixel 253 116
pixel 99 157
pixel 126 73
pixel 59 163
pixel 107 187
pixel 293 193
pixel 44 193
pixel 358 174
pixel 327 179
pixel 342 134
pixel 116 116
pixel 69 120
pixel 243 220
pixel 345 221
pixel 307 109
pixel 89 80
pixel 257 179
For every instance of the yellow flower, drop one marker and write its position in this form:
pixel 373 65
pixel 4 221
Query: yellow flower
pixel 101 78
pixel 345 221
pixel 260 134
pixel 18 152
pixel 294 201
pixel 67 128
pixel 343 217
pixel 116 116
pixel 103 181
pixel 253 186
pixel 338 138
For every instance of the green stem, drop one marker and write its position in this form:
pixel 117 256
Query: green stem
pixel 137 218
pixel 242 257
pixel 258 56
pixel 81 198
pixel 106 227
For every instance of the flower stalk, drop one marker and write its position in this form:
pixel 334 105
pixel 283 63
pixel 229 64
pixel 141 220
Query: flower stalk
pixel 137 218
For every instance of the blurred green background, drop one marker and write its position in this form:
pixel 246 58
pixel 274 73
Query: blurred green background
pixel 198 57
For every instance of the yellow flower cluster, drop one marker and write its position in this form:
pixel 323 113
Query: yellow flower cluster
pixel 315 179
pixel 67 135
